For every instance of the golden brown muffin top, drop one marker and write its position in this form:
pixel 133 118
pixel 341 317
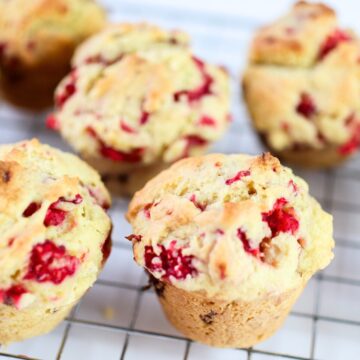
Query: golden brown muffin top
pixel 299 38
pixel 231 226
pixel 53 224
pixel 302 85
pixel 32 30
pixel 137 95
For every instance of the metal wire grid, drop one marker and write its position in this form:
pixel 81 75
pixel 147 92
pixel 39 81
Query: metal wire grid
pixel 71 320
pixel 240 130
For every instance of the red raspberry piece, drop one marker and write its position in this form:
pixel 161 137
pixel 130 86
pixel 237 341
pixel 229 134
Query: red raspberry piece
pixel 332 41
pixel 191 142
pixel 207 121
pixel 170 261
pixel 203 90
pixel 200 206
pixel 50 263
pixel 246 244
pixel 98 59
pixel 354 142
pixel 116 155
pixel 68 91
pixel 351 146
pixel 281 218
pixel 52 122
pixel 31 209
pixel 125 127
pixel 219 232
pixel 12 295
pixel 106 248
pixel 55 216
pixel 238 177
pixel 135 237
pixel 146 210
pixel 144 118
pixel 306 106
pixel 294 187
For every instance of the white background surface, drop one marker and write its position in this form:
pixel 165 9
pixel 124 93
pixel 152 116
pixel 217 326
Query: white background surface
pixel 325 323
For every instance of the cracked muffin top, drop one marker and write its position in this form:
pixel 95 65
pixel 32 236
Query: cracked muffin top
pixel 55 232
pixel 137 95
pixel 230 226
pixel 32 30
pixel 302 85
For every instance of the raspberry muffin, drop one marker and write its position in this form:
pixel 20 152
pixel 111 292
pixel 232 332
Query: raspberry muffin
pixel 55 236
pixel 37 40
pixel 137 100
pixel 229 241
pixel 302 87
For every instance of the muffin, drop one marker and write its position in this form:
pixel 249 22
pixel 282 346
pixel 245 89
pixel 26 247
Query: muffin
pixel 302 87
pixel 229 242
pixel 55 236
pixel 137 100
pixel 37 41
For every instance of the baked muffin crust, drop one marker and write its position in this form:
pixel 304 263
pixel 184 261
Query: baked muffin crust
pixel 55 235
pixel 302 86
pixel 137 97
pixel 230 227
pixel 37 41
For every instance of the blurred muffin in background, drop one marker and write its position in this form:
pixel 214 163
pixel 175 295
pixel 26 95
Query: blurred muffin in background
pixel 137 100
pixel 302 87
pixel 37 41
pixel 55 236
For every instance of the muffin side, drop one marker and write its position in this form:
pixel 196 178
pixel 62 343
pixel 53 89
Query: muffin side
pixel 226 324
pixel 223 234
pixel 37 41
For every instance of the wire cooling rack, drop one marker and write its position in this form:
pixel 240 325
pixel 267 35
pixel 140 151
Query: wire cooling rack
pixel 117 319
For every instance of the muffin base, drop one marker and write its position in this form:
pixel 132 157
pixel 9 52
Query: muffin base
pixel 224 324
pixel 31 86
pixel 17 325
pixel 309 158
pixel 312 158
pixel 124 180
